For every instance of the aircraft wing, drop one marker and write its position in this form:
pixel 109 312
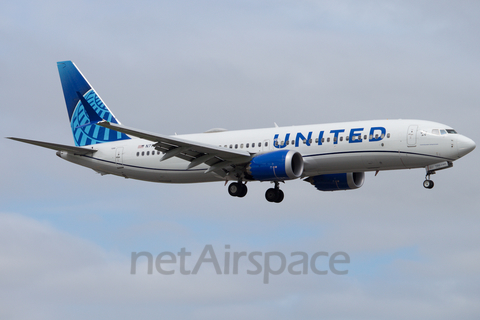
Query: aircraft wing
pixel 195 152
pixel 55 146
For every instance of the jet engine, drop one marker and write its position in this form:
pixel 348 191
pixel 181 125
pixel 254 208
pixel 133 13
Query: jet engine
pixel 338 181
pixel 276 165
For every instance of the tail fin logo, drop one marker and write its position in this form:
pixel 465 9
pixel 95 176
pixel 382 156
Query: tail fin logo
pixel 75 89
pixel 93 134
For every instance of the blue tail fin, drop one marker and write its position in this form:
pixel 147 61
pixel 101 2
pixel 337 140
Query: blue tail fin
pixel 78 91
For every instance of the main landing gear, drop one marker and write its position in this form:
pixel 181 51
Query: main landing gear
pixel 274 194
pixel 237 189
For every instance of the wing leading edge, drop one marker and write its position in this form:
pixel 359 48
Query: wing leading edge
pixel 195 152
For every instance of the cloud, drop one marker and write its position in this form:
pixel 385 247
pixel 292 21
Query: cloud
pixel 54 273
pixel 162 66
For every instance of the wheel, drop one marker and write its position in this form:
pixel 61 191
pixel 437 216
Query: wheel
pixel 274 195
pixel 237 189
pixel 428 184
pixel 234 189
pixel 243 190
pixel 271 195
pixel 280 196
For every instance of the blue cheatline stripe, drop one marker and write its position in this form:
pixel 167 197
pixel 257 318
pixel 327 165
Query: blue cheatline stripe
pixel 374 151
pixel 190 170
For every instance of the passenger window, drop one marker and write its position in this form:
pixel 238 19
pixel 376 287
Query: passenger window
pixel 241 146
pixel 323 140
pixel 365 137
pixel 376 136
pixel 388 135
pixel 266 144
pixel 328 139
pixel 231 146
pixel 341 138
pixel 138 153
pixel 346 138
pixel 248 145
pixel 143 153
pixel 293 142
pixel 316 140
pixel 148 153
pixel 236 146
pixel 253 145
pixel 334 139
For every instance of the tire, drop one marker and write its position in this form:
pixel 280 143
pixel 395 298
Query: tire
pixel 428 184
pixel 234 189
pixel 280 196
pixel 271 195
pixel 243 191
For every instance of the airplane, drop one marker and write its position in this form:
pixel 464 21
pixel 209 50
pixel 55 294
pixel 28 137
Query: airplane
pixel 331 157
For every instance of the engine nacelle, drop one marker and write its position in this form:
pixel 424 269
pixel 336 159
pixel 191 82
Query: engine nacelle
pixel 276 165
pixel 338 181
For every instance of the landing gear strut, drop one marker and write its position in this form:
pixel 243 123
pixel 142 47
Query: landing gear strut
pixel 428 183
pixel 432 169
pixel 237 189
pixel 274 194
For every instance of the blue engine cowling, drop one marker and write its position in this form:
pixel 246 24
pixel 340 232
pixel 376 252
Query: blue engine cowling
pixel 276 165
pixel 338 181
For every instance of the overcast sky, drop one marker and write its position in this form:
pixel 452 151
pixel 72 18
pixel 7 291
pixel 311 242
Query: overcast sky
pixel 67 233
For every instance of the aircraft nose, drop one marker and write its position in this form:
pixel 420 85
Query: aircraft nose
pixel 465 146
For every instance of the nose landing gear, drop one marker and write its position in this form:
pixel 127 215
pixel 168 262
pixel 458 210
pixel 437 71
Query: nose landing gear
pixel 432 169
pixel 428 184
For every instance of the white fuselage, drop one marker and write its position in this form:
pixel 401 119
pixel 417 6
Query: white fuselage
pixel 326 148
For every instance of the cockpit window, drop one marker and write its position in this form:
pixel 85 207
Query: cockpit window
pixel 442 131
pixel 436 131
pixel 451 131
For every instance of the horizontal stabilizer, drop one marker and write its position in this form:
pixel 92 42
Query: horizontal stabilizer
pixel 55 146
